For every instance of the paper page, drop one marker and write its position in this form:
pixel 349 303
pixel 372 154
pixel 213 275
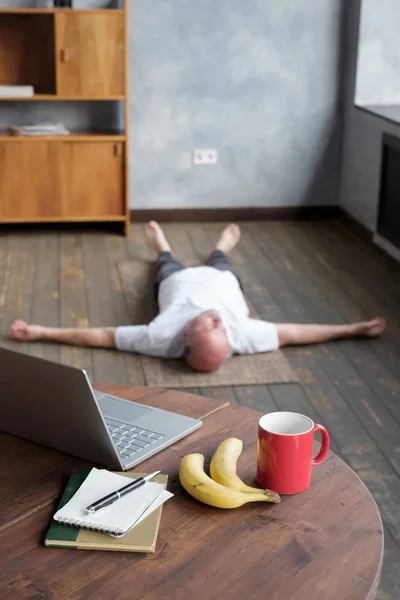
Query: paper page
pixel 163 497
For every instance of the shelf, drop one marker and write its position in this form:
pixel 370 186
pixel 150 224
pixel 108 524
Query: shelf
pixel 20 61
pixel 55 98
pixel 75 136
pixel 71 56
pixel 50 11
pixel 91 219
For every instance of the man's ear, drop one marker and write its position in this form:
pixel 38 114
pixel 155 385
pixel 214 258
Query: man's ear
pixel 184 337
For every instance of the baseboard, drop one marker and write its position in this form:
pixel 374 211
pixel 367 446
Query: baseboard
pixel 254 213
pixel 355 226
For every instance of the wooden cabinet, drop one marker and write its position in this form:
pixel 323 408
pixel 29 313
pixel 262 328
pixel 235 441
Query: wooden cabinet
pixel 90 54
pixel 69 55
pixel 29 187
pixel 49 181
pixel 91 179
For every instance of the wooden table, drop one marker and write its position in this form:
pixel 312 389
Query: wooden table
pixel 324 543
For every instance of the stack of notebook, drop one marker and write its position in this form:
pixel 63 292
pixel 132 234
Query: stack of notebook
pixel 39 129
pixel 16 91
pixel 131 524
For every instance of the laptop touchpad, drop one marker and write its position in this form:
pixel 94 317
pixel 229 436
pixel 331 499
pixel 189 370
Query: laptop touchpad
pixel 121 410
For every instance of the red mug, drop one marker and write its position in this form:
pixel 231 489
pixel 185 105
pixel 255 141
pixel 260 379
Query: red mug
pixel 285 451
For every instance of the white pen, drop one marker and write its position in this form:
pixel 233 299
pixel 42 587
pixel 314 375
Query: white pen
pixel 114 496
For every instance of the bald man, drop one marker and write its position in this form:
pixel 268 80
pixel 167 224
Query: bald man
pixel 203 316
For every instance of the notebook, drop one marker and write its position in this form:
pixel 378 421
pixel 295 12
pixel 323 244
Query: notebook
pixel 141 538
pixel 14 91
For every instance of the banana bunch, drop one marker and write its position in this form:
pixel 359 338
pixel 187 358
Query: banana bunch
pixel 224 489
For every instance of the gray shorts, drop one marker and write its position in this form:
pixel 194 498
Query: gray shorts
pixel 166 265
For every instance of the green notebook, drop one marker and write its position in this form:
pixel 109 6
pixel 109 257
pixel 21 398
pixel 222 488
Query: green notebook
pixel 141 538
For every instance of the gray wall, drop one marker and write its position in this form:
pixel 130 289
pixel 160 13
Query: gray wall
pixel 257 80
pixel 378 68
pixel 361 160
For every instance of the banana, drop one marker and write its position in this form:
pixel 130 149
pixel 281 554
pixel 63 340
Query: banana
pixel 223 469
pixel 199 485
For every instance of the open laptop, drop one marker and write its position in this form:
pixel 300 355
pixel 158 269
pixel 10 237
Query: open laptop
pixel 56 405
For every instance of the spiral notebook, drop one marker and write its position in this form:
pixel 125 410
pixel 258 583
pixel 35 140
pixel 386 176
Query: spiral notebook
pixel 119 518
pixel 141 538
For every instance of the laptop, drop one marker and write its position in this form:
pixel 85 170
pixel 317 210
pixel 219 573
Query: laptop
pixel 56 405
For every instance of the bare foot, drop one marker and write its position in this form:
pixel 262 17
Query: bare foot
pixel 229 238
pixel 23 332
pixel 372 328
pixel 156 237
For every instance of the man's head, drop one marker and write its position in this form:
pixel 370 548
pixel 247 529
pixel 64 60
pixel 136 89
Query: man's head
pixel 206 341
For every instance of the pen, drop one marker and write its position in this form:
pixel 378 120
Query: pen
pixel 114 496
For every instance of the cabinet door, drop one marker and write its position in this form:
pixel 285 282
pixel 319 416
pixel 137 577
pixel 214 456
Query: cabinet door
pixel 91 60
pixel 28 180
pixel 92 179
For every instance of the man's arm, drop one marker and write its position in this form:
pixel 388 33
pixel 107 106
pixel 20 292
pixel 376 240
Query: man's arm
pixel 262 336
pixel 130 338
pixel 96 337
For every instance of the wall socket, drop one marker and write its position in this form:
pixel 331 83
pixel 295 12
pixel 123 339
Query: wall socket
pixel 205 157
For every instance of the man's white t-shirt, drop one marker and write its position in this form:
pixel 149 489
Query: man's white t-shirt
pixel 182 297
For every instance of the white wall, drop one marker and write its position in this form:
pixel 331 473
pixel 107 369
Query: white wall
pixel 378 68
pixel 362 141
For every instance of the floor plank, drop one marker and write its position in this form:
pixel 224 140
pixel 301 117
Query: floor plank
pixel 257 397
pixel 116 250
pixel 108 365
pixel 17 296
pixel 73 309
pixel 5 273
pixel 45 291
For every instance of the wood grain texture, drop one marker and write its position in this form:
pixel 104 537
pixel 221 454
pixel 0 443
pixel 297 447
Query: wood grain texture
pixel 91 179
pixel 116 250
pixel 73 302
pixel 328 539
pixel 61 181
pixel 29 183
pixel 83 56
pixel 20 62
pixel 90 54
pixel 126 119
pixel 108 365
pixel 19 275
pixel 45 290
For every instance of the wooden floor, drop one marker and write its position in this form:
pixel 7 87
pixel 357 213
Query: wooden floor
pixel 292 271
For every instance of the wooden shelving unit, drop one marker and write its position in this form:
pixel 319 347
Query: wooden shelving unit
pixel 66 55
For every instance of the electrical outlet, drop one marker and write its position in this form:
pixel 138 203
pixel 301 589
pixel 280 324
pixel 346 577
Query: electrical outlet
pixel 205 157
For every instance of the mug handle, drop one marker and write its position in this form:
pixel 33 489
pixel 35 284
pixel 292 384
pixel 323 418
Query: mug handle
pixel 324 446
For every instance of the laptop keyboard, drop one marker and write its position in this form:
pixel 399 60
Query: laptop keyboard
pixel 131 440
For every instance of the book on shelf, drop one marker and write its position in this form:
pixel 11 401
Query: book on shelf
pixel 16 91
pixel 139 513
pixel 39 129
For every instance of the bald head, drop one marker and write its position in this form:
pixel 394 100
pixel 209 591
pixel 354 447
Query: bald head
pixel 208 350
pixel 206 340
